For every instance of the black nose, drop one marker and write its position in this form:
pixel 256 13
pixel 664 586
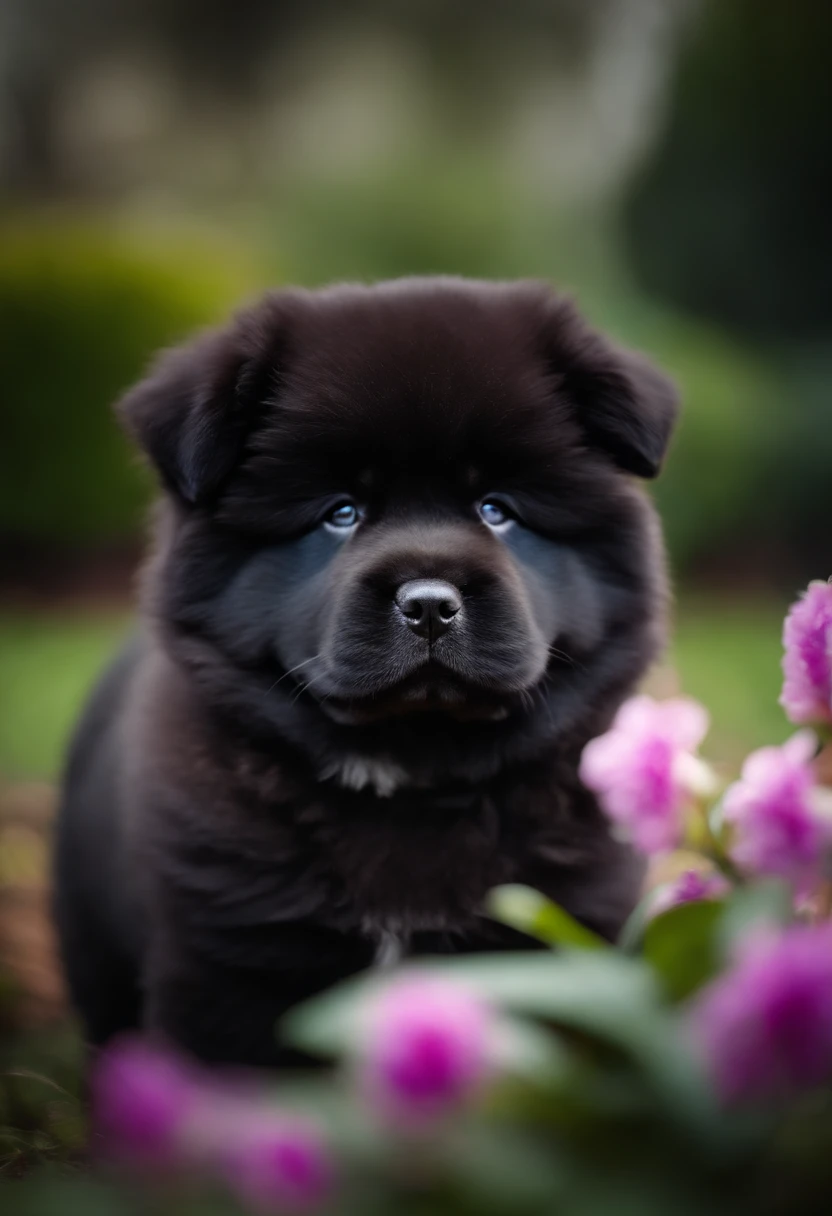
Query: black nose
pixel 429 606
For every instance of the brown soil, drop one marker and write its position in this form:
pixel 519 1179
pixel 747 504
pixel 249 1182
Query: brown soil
pixel 28 957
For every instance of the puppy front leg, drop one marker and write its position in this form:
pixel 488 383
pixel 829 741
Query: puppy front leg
pixel 225 1012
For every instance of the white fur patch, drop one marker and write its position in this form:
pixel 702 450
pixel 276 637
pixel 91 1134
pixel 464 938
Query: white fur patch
pixel 357 773
pixel 390 949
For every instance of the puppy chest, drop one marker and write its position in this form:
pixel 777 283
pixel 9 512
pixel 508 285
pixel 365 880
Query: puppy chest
pixel 401 870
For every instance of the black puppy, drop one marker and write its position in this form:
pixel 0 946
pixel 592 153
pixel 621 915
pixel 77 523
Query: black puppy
pixel 401 576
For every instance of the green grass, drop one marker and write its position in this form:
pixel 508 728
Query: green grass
pixel 727 653
pixel 47 665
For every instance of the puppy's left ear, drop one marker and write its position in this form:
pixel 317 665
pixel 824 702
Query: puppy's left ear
pixel 194 411
pixel 624 405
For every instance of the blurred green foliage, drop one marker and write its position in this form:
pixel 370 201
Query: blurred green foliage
pixel 82 310
pixel 728 220
pixel 42 1115
pixel 710 488
pixel 729 217
pixel 436 212
pixel 727 652
pixel 47 666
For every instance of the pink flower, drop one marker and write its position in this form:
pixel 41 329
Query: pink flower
pixel 426 1048
pixel 644 770
pixel 690 886
pixel 765 1026
pixel 142 1099
pixel 155 1109
pixel 807 658
pixel 276 1162
pixel 777 828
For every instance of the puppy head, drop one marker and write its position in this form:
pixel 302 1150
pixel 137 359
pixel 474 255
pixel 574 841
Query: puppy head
pixel 402 519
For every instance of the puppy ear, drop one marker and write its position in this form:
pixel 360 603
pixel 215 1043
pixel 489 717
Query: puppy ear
pixel 625 406
pixel 194 411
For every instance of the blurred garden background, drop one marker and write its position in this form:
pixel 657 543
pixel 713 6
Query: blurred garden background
pixel 668 161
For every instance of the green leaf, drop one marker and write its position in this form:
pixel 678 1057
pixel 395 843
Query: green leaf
pixel 523 908
pixel 632 934
pixel 597 992
pixel 681 946
pixel 601 995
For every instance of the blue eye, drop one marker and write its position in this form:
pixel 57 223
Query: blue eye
pixel 493 512
pixel 345 516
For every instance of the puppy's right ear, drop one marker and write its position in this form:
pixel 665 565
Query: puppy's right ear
pixel 626 407
pixel 194 411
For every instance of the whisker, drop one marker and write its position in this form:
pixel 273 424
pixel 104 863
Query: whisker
pixel 297 667
pixel 301 689
pixel 567 658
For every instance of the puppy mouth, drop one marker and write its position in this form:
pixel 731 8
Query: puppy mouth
pixel 432 689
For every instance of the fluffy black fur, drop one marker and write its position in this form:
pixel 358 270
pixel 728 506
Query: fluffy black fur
pixel 280 782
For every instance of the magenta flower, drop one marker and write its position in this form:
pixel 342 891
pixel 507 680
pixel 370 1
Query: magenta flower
pixel 275 1162
pixel 427 1048
pixel 689 887
pixel 778 829
pixel 807 658
pixel 765 1026
pixel 644 770
pixel 155 1109
pixel 142 1099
